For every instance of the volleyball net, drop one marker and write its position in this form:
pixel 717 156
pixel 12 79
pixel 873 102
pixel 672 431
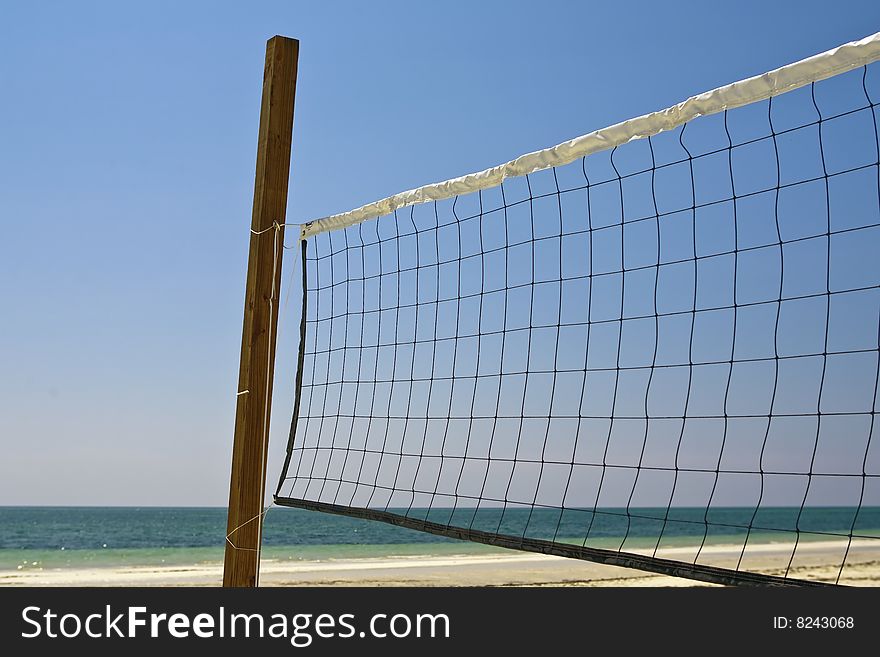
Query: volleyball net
pixel 655 346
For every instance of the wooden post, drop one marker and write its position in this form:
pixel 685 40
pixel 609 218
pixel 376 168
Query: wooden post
pixel 250 447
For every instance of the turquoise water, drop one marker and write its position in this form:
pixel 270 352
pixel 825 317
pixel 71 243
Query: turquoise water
pixel 57 537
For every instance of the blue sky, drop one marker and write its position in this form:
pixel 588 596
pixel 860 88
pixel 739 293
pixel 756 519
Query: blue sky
pixel 127 145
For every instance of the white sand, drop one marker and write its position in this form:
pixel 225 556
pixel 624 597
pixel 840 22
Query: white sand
pixel 507 568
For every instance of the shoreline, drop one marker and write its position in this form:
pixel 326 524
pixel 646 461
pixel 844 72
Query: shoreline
pixel 814 560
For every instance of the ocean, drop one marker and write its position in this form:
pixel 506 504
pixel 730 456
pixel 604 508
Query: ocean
pixel 71 537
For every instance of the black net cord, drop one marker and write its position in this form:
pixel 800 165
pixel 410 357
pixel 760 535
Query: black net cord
pixel 300 360
pixel 652 564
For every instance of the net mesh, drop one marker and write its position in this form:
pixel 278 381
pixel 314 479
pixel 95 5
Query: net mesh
pixel 663 356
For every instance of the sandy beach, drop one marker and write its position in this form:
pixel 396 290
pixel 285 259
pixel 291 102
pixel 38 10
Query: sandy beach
pixel 505 568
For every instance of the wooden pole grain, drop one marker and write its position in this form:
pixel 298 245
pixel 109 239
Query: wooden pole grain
pixel 251 440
